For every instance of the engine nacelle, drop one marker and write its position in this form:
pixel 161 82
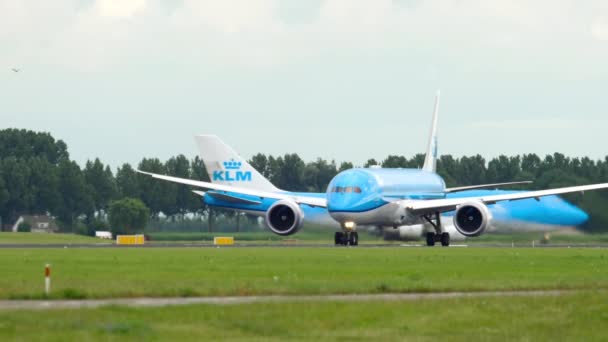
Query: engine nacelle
pixel 472 218
pixel 284 217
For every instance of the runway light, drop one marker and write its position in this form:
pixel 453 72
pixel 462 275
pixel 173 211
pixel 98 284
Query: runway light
pixel 349 225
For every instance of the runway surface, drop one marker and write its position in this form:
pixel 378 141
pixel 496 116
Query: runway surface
pixel 157 302
pixel 298 245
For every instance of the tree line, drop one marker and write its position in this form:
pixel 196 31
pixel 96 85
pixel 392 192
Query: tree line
pixel 37 176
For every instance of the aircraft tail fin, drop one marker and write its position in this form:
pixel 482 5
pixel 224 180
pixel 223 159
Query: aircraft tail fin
pixel 226 167
pixel 430 160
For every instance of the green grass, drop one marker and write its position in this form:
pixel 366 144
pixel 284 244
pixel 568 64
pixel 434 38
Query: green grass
pixel 133 272
pixel 44 238
pixel 574 317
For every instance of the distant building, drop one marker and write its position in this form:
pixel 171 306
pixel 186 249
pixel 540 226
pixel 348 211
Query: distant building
pixel 103 235
pixel 38 223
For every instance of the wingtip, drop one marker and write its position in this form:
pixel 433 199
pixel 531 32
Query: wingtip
pixel 143 172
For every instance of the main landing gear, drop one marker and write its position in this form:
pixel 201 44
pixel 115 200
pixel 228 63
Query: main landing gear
pixel 346 238
pixel 438 235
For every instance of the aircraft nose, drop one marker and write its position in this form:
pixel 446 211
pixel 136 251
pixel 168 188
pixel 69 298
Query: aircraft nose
pixel 340 202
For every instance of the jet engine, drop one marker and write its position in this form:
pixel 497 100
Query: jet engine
pixel 472 218
pixel 284 217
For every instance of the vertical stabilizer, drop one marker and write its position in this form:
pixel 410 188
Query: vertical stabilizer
pixel 430 160
pixel 225 166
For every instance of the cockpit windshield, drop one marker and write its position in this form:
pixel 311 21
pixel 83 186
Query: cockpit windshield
pixel 347 189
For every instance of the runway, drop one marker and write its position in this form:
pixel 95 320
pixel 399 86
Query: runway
pixel 159 302
pixel 298 245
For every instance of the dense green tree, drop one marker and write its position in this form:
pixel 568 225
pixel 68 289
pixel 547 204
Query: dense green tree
pixel 345 166
pixel 371 162
pixel 159 196
pixel 185 200
pixel 274 169
pixel 316 175
pixel 24 144
pixel 16 174
pixel 44 186
pixel 127 182
pixel 471 170
pixel 128 215
pixel 198 170
pixel 3 194
pixel 262 165
pixel 395 162
pixel 75 194
pixel 102 183
pixel 290 175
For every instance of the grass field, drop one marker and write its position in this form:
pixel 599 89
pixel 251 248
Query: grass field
pixel 133 272
pixel 136 272
pixel 576 317
pixel 44 238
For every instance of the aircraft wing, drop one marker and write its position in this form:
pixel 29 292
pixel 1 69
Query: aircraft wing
pixel 311 201
pixel 448 204
pixel 484 186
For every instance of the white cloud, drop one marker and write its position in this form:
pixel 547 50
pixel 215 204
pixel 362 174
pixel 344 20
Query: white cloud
pixel 119 8
pixel 228 16
pixel 599 29
pixel 473 34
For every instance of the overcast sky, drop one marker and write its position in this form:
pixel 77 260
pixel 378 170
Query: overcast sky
pixel 339 79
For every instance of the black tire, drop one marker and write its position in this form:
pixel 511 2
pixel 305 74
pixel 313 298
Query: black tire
pixel 353 239
pixel 344 239
pixel 430 239
pixel 338 238
pixel 445 239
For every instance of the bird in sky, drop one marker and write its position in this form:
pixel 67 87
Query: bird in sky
pixel 15 70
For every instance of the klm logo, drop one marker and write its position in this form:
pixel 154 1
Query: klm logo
pixel 232 173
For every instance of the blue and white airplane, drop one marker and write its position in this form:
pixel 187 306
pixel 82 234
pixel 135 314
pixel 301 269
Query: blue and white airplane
pixel 547 214
pixel 372 196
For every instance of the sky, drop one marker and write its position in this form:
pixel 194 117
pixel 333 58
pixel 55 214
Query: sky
pixel 344 80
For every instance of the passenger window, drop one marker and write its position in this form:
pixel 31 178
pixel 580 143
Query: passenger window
pixel 338 189
pixel 348 189
pixel 357 189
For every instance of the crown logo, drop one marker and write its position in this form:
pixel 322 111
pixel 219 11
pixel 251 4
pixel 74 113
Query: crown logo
pixel 232 165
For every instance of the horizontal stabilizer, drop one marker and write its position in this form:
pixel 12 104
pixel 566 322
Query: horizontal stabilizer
pixel 226 197
pixel 484 186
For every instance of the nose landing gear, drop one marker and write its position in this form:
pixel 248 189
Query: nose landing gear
pixel 346 238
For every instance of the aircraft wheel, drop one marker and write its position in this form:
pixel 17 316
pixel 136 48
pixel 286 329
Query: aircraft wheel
pixel 430 239
pixel 338 238
pixel 345 239
pixel 353 239
pixel 445 239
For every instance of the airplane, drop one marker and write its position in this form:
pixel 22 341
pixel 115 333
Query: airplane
pixel 549 213
pixel 373 196
pixel 15 70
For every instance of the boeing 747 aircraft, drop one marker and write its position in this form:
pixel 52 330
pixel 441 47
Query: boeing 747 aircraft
pixel 356 197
